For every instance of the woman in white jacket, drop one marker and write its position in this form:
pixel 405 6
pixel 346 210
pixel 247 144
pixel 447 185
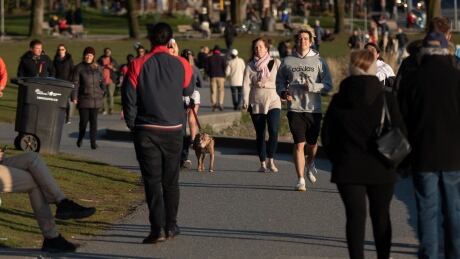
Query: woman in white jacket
pixel 262 101
pixel 234 73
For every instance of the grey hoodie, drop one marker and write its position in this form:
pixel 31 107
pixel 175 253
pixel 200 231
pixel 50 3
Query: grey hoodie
pixel 295 71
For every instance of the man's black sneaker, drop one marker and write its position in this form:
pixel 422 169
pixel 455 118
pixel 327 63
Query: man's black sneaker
pixel 153 238
pixel 172 232
pixel 68 209
pixel 58 245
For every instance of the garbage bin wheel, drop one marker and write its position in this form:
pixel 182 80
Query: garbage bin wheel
pixel 29 143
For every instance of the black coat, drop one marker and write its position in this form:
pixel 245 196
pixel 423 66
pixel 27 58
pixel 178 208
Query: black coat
pixel 31 66
pixel 349 128
pixel 64 67
pixel 429 97
pixel 88 81
pixel 216 65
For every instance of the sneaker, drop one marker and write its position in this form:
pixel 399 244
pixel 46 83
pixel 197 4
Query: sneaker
pixel 153 238
pixel 172 232
pixel 186 164
pixel 68 209
pixel 311 171
pixel 301 187
pixel 58 245
pixel 104 113
pixel 271 166
pixel 68 122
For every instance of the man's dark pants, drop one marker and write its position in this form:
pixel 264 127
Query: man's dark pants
pixel 158 153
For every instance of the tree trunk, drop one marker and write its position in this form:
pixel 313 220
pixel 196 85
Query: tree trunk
pixel 171 7
pixel 98 5
pixel 433 9
pixel 133 22
pixel 339 9
pixel 36 18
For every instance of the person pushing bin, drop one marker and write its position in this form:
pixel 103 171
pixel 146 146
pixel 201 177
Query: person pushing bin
pixel 40 113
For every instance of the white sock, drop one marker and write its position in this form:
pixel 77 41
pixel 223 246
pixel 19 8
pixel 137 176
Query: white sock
pixel 302 180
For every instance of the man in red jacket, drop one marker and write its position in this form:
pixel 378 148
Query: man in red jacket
pixel 154 111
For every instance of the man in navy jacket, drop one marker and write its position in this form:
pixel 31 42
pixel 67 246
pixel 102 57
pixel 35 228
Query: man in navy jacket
pixel 154 111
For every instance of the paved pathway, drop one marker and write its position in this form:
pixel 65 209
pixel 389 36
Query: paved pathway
pixel 236 212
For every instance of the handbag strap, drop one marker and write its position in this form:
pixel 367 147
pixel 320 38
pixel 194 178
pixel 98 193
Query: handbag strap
pixel 385 113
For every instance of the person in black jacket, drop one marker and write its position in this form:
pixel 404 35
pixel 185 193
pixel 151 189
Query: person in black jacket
pixel 229 35
pixel 63 65
pixel 430 99
pixel 348 135
pixel 216 66
pixel 88 94
pixel 35 63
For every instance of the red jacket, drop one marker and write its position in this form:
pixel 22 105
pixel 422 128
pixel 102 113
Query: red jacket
pixel 3 75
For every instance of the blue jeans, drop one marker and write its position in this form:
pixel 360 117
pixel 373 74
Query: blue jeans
pixel 260 121
pixel 237 92
pixel 435 191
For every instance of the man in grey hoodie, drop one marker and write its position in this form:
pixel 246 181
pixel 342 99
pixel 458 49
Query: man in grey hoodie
pixel 301 80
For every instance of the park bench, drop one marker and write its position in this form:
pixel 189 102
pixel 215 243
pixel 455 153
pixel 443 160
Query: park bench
pixel 78 30
pixel 188 32
pixel 46 28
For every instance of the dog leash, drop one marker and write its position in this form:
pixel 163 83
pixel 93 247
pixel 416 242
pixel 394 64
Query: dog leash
pixel 196 118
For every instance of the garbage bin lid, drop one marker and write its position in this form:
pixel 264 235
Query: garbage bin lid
pixel 43 81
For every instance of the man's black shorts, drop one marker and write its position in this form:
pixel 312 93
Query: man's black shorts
pixel 305 126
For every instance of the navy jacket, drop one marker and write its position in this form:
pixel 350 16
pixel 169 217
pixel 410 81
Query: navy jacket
pixel 153 88
pixel 35 66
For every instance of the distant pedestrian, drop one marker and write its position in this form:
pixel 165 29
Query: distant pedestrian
pixel 35 63
pixel 216 65
pixel 192 104
pixel 109 69
pixel 319 33
pixel 354 41
pixel 348 136
pixel 301 80
pixel 234 73
pixel 384 71
pixel 63 65
pixel 124 68
pixel 3 77
pixel 262 101
pixel 88 94
pixel 284 49
pixel 141 51
pixel 229 34
pixel 402 40
pixel 154 112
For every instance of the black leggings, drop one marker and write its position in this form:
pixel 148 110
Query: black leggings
pixel 88 114
pixel 260 121
pixel 354 199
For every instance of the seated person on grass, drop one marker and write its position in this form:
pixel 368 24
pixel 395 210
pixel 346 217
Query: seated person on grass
pixel 28 173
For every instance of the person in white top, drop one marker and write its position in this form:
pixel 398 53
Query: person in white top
pixel 262 101
pixel 385 73
pixel 234 73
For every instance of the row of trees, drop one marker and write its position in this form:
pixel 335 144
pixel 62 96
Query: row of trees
pixel 238 10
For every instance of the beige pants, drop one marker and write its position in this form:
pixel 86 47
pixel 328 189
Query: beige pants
pixel 108 97
pixel 28 173
pixel 217 91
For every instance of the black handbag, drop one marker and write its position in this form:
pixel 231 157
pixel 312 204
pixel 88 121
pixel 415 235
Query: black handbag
pixel 391 143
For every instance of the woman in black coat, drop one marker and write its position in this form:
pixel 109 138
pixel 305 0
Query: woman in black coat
pixel 88 94
pixel 63 67
pixel 348 136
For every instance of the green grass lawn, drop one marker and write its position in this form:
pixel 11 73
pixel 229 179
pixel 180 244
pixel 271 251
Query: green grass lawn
pixel 114 192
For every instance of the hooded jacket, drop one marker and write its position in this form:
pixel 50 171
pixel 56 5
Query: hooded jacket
pixel 35 66
pixel 430 104
pixel 349 131
pixel 292 75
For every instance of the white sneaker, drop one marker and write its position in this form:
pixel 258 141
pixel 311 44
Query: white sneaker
pixel 312 170
pixel 301 186
pixel 271 166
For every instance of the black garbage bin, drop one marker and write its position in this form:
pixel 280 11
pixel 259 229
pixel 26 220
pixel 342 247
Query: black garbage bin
pixel 40 113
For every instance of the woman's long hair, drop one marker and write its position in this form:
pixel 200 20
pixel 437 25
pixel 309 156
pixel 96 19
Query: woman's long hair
pixel 57 51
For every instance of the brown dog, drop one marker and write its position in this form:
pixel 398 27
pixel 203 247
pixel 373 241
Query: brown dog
pixel 203 144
